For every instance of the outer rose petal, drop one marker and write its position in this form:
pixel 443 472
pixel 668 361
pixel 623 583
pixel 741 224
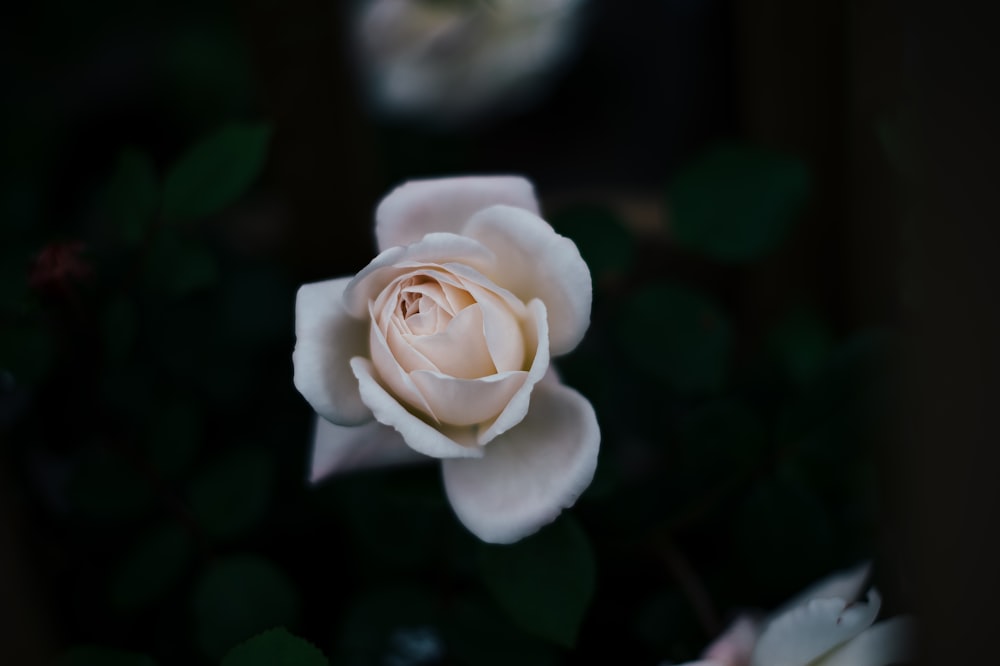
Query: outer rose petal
pixel 530 473
pixel 326 338
pixel 421 437
pixel 344 449
pixel 533 261
pixel 888 642
pixel 807 632
pixel 420 207
pixel 734 646
pixel 847 585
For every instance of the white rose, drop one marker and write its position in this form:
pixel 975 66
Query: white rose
pixel 440 347
pixel 453 60
pixel 824 626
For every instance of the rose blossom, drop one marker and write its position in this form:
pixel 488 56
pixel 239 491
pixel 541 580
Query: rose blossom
pixel 824 626
pixel 440 348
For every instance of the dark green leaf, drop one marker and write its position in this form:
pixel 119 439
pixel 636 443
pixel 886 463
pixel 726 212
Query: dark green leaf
pixel 802 344
pixel 603 242
pixel 545 582
pixel 736 203
pixel 276 647
pixel 132 195
pixel 97 656
pixel 393 624
pixel 678 335
pixel 27 353
pixel 105 488
pixel 177 266
pixel 174 436
pixel 231 495
pixel 480 636
pixel 238 597
pixel 215 172
pixel 151 568
pixel 722 437
pixel 119 329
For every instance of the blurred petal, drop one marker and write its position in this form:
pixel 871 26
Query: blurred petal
pixel 420 207
pixel 339 449
pixel 431 441
pixel 888 642
pixel 326 338
pixel 466 402
pixel 533 261
pixel 530 473
pixel 848 585
pixel 735 645
pixel 520 402
pixel 434 249
pixel 807 632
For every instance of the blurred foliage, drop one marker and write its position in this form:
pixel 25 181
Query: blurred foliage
pixel 158 448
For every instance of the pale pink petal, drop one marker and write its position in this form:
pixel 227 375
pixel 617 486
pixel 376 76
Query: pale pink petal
pixel 466 402
pixel 888 642
pixel 533 261
pixel 434 249
pixel 391 374
pixel 326 337
pixel 530 473
pixel 339 449
pixel 807 632
pixel 420 436
pixel 421 207
pixel 735 645
pixel 460 349
pixel 538 329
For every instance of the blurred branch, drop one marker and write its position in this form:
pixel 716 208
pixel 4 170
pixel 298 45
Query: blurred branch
pixel 691 585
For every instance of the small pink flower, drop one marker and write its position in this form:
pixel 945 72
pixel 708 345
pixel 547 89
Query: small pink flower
pixel 440 348
pixel 824 626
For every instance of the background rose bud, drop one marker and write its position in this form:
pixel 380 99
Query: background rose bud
pixel 445 337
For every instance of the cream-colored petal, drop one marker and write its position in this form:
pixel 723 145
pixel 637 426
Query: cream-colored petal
pixel 460 349
pixel 436 248
pixel 392 376
pixel 419 435
pixel 467 402
pixel 530 473
pixel 338 449
pixel 735 645
pixel 326 338
pixel 408 358
pixel 889 642
pixel 533 261
pixel 848 584
pixel 517 408
pixel 803 634
pixel 419 207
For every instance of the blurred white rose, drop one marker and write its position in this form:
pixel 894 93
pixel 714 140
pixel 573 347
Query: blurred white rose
pixel 451 60
pixel 440 348
pixel 824 626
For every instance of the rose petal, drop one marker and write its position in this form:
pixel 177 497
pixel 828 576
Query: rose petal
pixel 529 474
pixel 460 349
pixel 420 207
pixel 533 261
pixel 466 402
pixel 435 248
pixel 431 441
pixel 734 646
pixel 847 585
pixel 807 632
pixel 326 337
pixel 391 374
pixel 888 642
pixel 343 449
pixel 519 402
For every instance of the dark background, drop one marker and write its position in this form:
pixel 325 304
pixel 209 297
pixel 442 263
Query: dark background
pixel 890 106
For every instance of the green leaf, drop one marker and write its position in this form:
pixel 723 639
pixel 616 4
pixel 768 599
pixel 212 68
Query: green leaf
pixel 391 624
pixel 276 647
pixel 177 266
pixel 119 329
pixel 678 335
pixel 603 242
pixel 736 203
pixel 104 488
pixel 88 655
pixel 132 195
pixel 722 437
pixel 215 172
pixel 151 568
pixel 232 494
pixel 174 437
pixel 545 582
pixel 478 635
pixel 238 597
pixel 802 344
